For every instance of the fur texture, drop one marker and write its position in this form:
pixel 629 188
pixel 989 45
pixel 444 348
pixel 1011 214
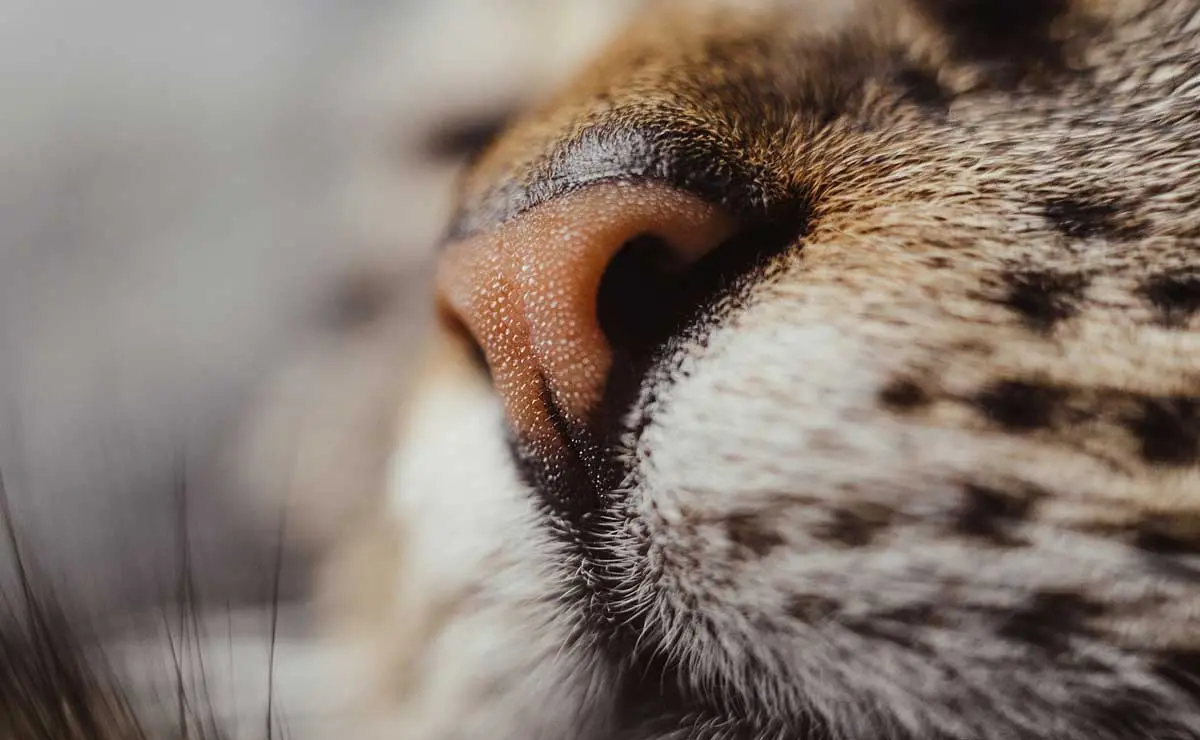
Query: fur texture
pixel 923 460
pixel 918 457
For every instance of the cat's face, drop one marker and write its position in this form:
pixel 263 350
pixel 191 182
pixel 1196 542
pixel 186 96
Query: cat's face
pixel 817 368
pixel 801 369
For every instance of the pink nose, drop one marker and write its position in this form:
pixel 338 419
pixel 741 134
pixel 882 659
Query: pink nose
pixel 527 291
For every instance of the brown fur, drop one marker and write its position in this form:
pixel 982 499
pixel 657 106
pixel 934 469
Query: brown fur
pixel 996 208
pixel 922 463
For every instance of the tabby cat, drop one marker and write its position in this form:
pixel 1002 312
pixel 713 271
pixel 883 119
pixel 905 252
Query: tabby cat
pixel 803 370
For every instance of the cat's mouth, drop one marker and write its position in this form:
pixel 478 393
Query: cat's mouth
pixel 573 305
pixel 654 311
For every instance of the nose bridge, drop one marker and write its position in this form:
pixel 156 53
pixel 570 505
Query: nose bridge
pixel 527 291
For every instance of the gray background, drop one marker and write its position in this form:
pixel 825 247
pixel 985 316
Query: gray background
pixel 166 227
pixel 181 183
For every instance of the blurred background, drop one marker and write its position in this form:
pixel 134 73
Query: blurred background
pixel 183 186
pixel 184 189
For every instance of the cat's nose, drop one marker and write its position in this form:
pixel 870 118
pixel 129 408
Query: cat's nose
pixel 528 292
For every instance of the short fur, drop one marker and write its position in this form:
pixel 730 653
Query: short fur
pixel 919 460
pixel 928 464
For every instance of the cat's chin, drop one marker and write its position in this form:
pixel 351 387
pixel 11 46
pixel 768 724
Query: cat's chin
pixel 451 595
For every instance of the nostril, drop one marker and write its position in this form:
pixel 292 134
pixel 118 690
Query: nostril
pixel 639 302
pixel 549 294
pixel 649 292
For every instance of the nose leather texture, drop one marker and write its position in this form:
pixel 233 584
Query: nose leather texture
pixel 527 291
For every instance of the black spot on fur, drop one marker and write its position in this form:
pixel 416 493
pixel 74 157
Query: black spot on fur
pixel 855 526
pixel 917 614
pixel 921 87
pixel 1180 668
pixel 1089 215
pixel 1043 298
pixel 1164 543
pixel 1178 569
pixel 1169 534
pixel 809 608
pixel 1020 406
pixel 989 514
pixel 1049 620
pixel 882 627
pixel 1013 37
pixel 1175 294
pixel 752 534
pixel 1169 430
pixel 903 394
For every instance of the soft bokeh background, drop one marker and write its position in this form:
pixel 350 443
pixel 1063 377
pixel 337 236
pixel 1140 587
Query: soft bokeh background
pixel 181 185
